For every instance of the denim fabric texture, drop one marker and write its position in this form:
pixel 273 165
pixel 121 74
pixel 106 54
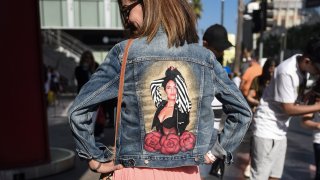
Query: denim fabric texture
pixel 204 79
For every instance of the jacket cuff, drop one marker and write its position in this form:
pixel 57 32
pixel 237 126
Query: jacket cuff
pixel 104 154
pixel 220 152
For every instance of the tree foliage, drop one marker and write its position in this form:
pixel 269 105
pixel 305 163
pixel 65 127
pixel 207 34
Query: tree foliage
pixel 297 37
pixel 296 40
pixel 272 46
pixel 197 7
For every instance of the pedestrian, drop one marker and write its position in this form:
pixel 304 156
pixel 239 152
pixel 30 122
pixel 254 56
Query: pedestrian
pixel 260 83
pixel 85 69
pixel 52 85
pixel 216 40
pixel 83 73
pixel 280 101
pixel 236 78
pixel 246 59
pixel 46 84
pixel 164 37
pixel 252 72
pixel 255 92
pixel 312 121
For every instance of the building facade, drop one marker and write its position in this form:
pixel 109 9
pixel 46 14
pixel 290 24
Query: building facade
pixel 287 13
pixel 79 14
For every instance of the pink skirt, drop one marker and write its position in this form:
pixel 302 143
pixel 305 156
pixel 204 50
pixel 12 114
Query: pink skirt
pixel 179 173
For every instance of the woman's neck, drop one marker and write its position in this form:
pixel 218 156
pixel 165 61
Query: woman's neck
pixel 170 103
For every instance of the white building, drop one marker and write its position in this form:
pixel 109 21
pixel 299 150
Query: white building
pixel 79 14
pixel 287 13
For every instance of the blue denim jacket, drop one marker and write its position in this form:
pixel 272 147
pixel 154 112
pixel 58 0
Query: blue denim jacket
pixel 148 136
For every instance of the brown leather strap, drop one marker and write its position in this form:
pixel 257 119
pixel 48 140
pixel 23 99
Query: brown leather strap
pixel 121 82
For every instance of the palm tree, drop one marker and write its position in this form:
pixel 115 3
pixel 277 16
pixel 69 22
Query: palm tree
pixel 197 7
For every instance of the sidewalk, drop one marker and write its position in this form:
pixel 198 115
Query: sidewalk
pixel 299 157
pixel 297 166
pixel 60 136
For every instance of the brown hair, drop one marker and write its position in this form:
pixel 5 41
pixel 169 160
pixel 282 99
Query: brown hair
pixel 87 56
pixel 176 17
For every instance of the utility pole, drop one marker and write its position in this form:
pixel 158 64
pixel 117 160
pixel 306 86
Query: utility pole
pixel 222 12
pixel 283 43
pixel 241 9
pixel 263 19
pixel 261 39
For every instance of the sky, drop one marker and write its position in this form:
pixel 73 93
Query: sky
pixel 211 14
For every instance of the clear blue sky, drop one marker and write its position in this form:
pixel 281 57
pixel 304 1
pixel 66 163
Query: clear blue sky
pixel 211 14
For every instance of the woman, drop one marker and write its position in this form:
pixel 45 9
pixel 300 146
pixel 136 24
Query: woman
pixel 312 121
pixel 255 92
pixel 172 115
pixel 166 117
pixel 165 35
pixel 85 69
pixel 260 83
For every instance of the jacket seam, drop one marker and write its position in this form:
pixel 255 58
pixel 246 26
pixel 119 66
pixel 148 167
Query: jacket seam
pixel 161 58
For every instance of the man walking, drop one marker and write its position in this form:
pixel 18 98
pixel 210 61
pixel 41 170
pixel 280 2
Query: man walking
pixel 281 100
pixel 215 39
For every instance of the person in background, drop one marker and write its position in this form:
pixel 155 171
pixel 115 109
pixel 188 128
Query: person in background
pixel 255 92
pixel 281 100
pixel 312 121
pixel 53 85
pixel 236 79
pixel 85 69
pixel 216 40
pixel 260 83
pixel 246 59
pixel 252 72
pixel 83 73
pixel 163 35
pixel 45 83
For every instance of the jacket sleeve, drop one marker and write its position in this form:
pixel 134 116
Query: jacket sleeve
pixel 238 114
pixel 102 86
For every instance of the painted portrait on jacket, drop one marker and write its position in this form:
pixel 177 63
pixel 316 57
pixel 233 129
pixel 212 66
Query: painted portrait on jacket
pixel 169 95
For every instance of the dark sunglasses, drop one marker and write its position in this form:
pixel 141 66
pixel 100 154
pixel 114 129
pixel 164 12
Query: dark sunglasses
pixel 125 11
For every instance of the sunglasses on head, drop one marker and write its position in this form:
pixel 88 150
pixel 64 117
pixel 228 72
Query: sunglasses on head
pixel 125 11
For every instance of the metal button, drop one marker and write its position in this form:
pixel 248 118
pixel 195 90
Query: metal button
pixel 196 159
pixel 146 161
pixel 131 162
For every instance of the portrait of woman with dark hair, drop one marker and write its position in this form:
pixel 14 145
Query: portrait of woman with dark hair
pixel 171 117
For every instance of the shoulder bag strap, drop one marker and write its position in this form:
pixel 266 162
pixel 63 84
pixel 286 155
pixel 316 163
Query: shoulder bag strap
pixel 121 82
pixel 108 176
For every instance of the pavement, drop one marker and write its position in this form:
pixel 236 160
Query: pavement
pixel 298 165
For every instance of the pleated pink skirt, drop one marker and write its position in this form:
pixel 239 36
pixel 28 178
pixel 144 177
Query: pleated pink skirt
pixel 179 173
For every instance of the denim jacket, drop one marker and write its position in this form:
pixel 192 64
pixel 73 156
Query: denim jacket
pixel 196 77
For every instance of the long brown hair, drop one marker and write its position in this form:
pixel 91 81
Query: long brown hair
pixel 176 17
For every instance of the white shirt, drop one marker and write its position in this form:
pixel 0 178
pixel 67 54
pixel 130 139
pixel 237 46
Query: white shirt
pixel 237 81
pixel 216 106
pixel 316 133
pixel 270 120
